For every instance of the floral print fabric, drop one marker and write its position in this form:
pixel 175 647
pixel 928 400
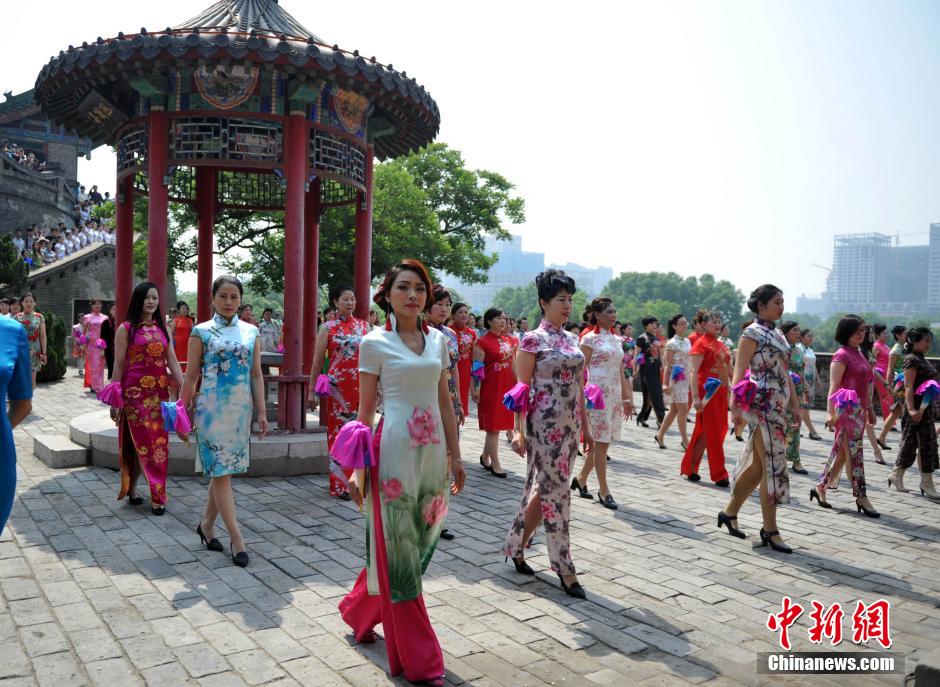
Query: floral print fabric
pixel 795 364
pixel 224 404
pixel 466 337
pixel 553 428
pixel 769 410
pixel 605 370
pixel 498 358
pixel 33 323
pixel 146 385
pixel 681 356
pixel 412 460
pixel 95 362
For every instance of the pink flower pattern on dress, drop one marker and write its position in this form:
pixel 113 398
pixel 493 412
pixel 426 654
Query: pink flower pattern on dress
pixel 423 428
pixel 434 511
pixel 554 435
pixel 549 512
pixel 392 489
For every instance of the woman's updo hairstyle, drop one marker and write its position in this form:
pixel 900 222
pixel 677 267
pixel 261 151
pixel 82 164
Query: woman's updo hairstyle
pixel 338 291
pixel 227 279
pixel 598 305
pixel 408 265
pixel 457 306
pixel 491 315
pixel 897 330
pixel 877 329
pixel 914 335
pixel 762 295
pixel 671 324
pixel 440 294
pixel 785 327
pixel 550 282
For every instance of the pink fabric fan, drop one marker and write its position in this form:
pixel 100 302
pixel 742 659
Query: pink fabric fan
pixel 101 343
pixel 744 393
pixel 113 395
pixel 352 447
pixel 595 397
pixel 517 399
pixel 322 387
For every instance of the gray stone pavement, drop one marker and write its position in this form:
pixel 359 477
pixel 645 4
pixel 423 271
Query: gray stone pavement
pixel 96 592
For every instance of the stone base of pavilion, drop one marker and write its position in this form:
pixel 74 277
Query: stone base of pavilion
pixel 275 455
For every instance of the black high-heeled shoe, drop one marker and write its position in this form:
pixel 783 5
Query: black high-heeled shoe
pixel 882 445
pixel 157 510
pixel 582 490
pixel 521 566
pixel 658 442
pixel 211 544
pixel 766 539
pixel 135 500
pixel 489 468
pixel 870 513
pixel 575 590
pixel 640 423
pixel 240 559
pixel 607 501
pixel 724 520
pixel 813 494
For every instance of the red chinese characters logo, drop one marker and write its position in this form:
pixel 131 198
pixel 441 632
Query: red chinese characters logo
pixel 826 623
pixel 781 622
pixel 871 623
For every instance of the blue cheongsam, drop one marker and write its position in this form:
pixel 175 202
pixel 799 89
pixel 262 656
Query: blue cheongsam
pixel 223 406
pixel 16 384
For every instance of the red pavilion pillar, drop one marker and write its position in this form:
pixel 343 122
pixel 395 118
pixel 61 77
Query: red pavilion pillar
pixel 362 281
pixel 206 188
pixel 311 271
pixel 124 235
pixel 290 401
pixel 157 203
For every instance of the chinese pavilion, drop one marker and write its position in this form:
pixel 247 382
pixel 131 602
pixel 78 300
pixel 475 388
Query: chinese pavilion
pixel 241 108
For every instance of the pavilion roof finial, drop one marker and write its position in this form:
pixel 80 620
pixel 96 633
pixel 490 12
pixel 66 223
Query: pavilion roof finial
pixel 245 16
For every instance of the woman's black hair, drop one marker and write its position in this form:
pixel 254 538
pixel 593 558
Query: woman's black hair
pixel 439 293
pixel 785 327
pixel 224 279
pixel 914 335
pixel 804 332
pixel 878 328
pixel 338 291
pixel 847 326
pixel 491 315
pixel 270 310
pixel 180 304
pixel 671 325
pixel 762 295
pixel 550 282
pixel 598 305
pixel 897 330
pixel 136 308
pixel 457 306
pixel 571 326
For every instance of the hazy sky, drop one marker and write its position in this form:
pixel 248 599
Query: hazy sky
pixel 722 136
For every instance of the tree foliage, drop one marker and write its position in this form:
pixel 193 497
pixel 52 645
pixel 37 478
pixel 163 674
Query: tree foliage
pixel 523 301
pixel 13 271
pixel 55 366
pixel 667 292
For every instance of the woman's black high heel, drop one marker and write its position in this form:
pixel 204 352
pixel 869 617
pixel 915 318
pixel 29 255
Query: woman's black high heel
pixel 813 494
pixel 724 520
pixel 766 539
pixel 659 443
pixel 640 423
pixel 485 466
pixel 607 501
pixel 582 490
pixel 870 513
pixel 135 500
pixel 211 544
pixel 240 559
pixel 575 589
pixel 521 566
pixel 882 445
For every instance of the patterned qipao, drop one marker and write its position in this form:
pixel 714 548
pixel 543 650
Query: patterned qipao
pixel 711 423
pixel 466 337
pixel 796 365
pixel 411 492
pixel 224 403
pixel 95 363
pixel 141 436
pixel 343 336
pixel 682 357
pixel 498 352
pixel 921 435
pixel 882 356
pixel 553 428
pixel 850 422
pixel 768 412
pixel 33 323
pixel 453 352
pixel 605 370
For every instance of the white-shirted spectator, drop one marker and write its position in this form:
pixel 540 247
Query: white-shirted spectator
pixel 19 241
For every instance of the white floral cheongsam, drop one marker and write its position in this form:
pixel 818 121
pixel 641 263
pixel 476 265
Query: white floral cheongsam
pixel 605 369
pixel 224 405
pixel 681 357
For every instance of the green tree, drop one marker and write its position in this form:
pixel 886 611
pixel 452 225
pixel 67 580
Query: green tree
pixel 13 270
pixel 523 301
pixel 668 288
pixel 55 366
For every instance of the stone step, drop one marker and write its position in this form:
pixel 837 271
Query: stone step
pixel 58 451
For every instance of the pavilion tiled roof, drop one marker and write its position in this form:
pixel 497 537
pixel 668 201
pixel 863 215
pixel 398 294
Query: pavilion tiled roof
pixel 273 36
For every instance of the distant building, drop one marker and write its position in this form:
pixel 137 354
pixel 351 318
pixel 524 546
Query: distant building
pixel 933 269
pixel 813 306
pixel 518 267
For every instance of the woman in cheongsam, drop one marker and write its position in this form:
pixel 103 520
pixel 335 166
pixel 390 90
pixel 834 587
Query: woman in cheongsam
pixel 95 363
pixel 918 434
pixel 495 350
pixel 809 380
pixel 224 359
pixel 143 359
pixel 466 337
pixel 35 325
pixel 882 354
pixel 850 411
pixel 603 354
pixel 338 340
pixel 551 364
pixel 763 463
pixel 791 332
pixel 676 374
pixel 895 368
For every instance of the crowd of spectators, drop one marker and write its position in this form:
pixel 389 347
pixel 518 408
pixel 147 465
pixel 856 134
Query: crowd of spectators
pixel 22 156
pixel 39 248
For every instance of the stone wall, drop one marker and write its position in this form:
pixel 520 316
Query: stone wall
pixel 29 198
pixel 62 155
pixel 89 273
